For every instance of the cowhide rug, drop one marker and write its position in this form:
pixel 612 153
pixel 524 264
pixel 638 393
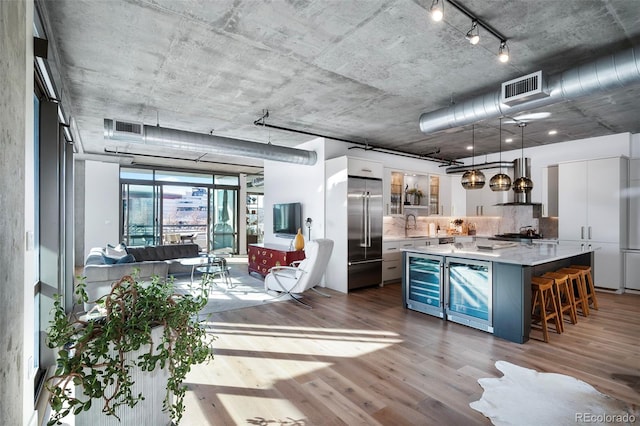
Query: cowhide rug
pixel 526 397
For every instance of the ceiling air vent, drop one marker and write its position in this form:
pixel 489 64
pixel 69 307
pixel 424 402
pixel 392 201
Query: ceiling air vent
pixel 123 130
pixel 523 89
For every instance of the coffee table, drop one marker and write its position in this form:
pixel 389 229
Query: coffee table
pixel 199 262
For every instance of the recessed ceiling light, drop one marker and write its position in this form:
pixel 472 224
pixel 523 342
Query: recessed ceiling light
pixel 508 140
pixel 553 132
pixel 469 148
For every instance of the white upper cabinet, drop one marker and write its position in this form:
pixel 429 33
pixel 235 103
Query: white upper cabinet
pixel 590 202
pixel 364 168
pixel 484 201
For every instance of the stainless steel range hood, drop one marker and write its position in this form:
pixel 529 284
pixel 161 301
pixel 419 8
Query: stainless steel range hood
pixel 521 168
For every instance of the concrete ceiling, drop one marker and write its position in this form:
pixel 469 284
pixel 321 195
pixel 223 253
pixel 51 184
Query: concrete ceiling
pixel 360 70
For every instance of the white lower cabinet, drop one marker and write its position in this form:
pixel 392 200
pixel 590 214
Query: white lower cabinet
pixel 392 256
pixel 632 270
pixel 391 261
pixel 607 261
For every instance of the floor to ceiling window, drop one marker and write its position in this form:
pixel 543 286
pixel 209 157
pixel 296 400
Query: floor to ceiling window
pixel 224 218
pixel 175 207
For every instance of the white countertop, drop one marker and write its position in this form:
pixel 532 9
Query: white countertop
pixel 521 254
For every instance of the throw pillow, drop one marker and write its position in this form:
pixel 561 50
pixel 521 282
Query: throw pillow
pixel 128 258
pixel 109 260
pixel 116 251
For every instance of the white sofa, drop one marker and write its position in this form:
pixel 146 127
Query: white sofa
pixel 99 275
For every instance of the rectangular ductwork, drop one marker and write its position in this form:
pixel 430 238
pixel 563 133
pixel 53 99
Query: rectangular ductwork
pixel 523 89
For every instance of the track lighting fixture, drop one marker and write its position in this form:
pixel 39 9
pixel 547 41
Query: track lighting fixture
pixel 473 35
pixel 503 52
pixel 437 10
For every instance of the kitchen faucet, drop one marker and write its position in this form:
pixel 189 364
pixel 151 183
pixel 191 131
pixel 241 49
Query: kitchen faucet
pixel 406 223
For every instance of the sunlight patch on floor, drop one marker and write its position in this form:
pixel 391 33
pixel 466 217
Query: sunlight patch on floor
pixel 261 411
pixel 310 341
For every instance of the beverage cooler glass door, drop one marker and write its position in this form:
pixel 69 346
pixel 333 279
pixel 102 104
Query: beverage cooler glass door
pixel 469 293
pixel 424 284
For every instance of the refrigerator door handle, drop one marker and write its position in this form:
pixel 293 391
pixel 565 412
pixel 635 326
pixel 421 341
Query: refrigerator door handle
pixel 368 219
pixel 363 231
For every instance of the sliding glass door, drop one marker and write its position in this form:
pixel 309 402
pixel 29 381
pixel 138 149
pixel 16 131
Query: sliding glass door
pixel 140 212
pixel 224 215
pixel 184 215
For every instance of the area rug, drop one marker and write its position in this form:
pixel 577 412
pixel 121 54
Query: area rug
pixel 526 397
pixel 245 290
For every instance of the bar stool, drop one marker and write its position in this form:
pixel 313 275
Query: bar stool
pixel 565 297
pixel 545 302
pixel 587 278
pixel 575 280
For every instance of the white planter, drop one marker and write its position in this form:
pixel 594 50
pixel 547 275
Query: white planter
pixel 152 385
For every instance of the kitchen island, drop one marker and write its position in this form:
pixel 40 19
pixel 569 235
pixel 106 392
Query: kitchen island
pixel 485 284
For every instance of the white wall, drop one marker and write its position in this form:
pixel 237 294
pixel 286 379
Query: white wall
pixel 290 183
pixel 102 204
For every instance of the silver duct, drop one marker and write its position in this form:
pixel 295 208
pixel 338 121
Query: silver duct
pixel 483 166
pixel 202 143
pixel 614 71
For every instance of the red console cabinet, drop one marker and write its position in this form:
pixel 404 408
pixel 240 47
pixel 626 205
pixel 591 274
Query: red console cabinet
pixel 263 257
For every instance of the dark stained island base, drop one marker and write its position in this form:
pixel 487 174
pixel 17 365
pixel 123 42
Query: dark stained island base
pixel 485 288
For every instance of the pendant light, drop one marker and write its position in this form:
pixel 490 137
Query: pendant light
pixel 523 184
pixel 473 179
pixel 501 181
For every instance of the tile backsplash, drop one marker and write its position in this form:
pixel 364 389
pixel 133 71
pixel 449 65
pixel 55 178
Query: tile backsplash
pixel 512 219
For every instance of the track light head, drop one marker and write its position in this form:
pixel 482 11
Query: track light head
pixel 473 35
pixel 503 52
pixel 437 10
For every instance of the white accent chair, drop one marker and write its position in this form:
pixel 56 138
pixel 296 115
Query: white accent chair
pixel 294 280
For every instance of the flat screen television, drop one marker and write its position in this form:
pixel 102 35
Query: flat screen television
pixel 287 218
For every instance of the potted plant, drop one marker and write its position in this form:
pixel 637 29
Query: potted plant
pixel 417 195
pixel 94 351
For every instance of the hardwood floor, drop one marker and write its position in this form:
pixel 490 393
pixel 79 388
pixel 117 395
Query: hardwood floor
pixel 363 359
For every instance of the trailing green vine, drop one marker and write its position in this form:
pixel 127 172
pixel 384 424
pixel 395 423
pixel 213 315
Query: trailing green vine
pixel 92 352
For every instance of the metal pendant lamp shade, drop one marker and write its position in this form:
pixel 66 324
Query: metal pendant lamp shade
pixel 522 185
pixel 500 181
pixel 473 179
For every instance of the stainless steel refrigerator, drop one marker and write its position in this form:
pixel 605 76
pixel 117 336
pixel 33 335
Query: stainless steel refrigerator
pixel 364 200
